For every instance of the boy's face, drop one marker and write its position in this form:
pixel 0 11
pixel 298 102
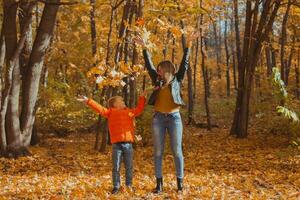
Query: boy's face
pixel 119 103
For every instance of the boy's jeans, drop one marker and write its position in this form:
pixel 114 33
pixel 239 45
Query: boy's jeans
pixel 172 123
pixel 122 150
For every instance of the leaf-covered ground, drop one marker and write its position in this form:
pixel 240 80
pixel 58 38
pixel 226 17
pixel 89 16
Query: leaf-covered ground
pixel 216 167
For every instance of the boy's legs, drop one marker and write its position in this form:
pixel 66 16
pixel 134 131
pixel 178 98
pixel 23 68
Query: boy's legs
pixel 116 159
pixel 175 132
pixel 128 161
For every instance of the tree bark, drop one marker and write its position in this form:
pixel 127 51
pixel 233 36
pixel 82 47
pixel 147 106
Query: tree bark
pixel 35 67
pixel 283 39
pixel 204 72
pixel 255 34
pixel 227 60
pixel 217 50
pixel 93 29
pixel 2 59
pixel 297 73
pixel 10 140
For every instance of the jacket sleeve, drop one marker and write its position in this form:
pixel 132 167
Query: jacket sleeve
pixel 98 108
pixel 140 106
pixel 149 65
pixel 184 65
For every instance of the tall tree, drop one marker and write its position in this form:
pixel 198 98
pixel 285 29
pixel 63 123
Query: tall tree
pixel 258 24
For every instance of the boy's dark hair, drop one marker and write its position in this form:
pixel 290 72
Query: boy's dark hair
pixel 167 65
pixel 112 100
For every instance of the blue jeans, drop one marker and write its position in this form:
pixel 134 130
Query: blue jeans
pixel 122 150
pixel 172 123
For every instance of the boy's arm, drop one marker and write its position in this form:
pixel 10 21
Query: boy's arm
pixel 184 64
pixel 149 65
pixel 98 108
pixel 140 106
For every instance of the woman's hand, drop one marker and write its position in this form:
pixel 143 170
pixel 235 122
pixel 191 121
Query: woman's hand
pixel 140 41
pixel 82 98
pixel 191 37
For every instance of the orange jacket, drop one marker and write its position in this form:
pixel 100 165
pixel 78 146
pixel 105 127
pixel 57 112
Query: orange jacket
pixel 120 122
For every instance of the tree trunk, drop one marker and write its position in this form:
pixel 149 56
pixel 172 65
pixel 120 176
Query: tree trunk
pixel 2 59
pixel 10 140
pixel 108 52
pixel 237 30
pixel 233 55
pixel 23 15
pixel 122 31
pixel 93 29
pixel 204 72
pixel 100 121
pixel 12 130
pixel 227 60
pixel 190 96
pixel 297 72
pixel 195 69
pixel 268 54
pixel 251 51
pixel 283 38
pixel 217 50
pixel 35 67
pixel 289 61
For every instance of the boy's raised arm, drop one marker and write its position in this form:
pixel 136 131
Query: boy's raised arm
pixel 98 108
pixel 140 106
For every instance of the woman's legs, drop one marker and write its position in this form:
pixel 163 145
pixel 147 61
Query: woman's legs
pixel 159 129
pixel 174 127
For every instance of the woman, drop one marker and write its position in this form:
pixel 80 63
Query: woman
pixel 167 100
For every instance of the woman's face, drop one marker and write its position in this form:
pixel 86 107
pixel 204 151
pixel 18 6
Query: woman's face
pixel 166 73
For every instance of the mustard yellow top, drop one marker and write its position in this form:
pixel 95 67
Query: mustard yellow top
pixel 164 102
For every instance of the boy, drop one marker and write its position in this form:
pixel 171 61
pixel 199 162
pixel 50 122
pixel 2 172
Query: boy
pixel 121 128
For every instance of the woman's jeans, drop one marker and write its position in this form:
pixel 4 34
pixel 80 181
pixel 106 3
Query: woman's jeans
pixel 122 150
pixel 172 123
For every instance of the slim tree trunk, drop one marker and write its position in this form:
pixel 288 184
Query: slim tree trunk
pixel 297 72
pixel 204 72
pixel 268 54
pixel 217 49
pixel 283 41
pixel 108 51
pixel 195 69
pixel 93 29
pixel 227 60
pixel 289 61
pixel 233 55
pixel 2 60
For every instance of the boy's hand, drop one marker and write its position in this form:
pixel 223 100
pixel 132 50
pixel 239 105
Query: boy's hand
pixel 82 98
pixel 144 93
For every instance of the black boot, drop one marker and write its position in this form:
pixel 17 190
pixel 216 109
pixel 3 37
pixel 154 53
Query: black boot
pixel 179 184
pixel 159 186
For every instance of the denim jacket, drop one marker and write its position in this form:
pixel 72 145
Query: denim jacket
pixel 174 85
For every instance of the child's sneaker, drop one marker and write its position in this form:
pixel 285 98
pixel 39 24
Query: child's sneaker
pixel 115 191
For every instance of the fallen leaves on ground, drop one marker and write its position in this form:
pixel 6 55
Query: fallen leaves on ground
pixel 217 166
